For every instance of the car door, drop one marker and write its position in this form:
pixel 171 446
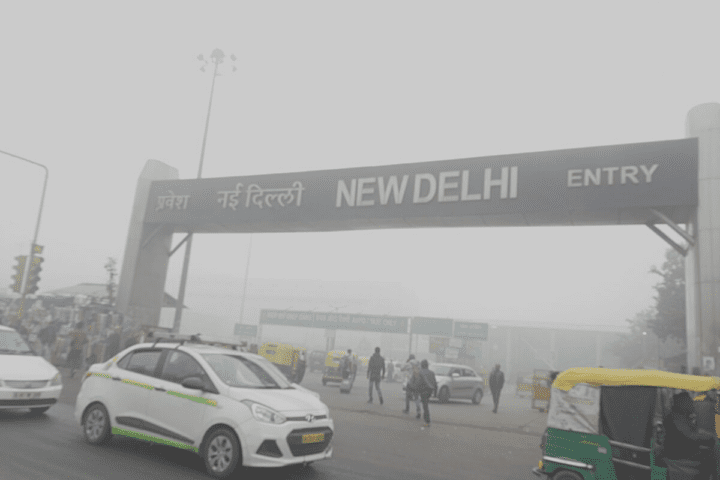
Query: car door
pixel 177 413
pixel 471 381
pixel 455 383
pixel 130 388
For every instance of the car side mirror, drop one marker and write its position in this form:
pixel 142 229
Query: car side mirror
pixel 194 383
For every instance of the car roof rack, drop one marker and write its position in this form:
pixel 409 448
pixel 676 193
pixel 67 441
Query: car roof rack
pixel 166 337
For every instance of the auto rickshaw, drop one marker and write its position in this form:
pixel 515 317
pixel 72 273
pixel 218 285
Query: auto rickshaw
pixel 540 390
pixel 290 360
pixel 609 424
pixel 524 385
pixel 333 367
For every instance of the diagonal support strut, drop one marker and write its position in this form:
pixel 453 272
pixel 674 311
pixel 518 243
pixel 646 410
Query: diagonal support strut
pixel 674 226
pixel 682 251
pixel 179 244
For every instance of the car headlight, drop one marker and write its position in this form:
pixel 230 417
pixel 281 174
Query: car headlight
pixel 263 413
pixel 57 380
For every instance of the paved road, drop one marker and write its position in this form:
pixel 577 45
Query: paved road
pixel 514 415
pixel 365 446
pixel 371 442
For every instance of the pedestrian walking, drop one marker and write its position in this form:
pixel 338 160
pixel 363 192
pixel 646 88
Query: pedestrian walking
pixel 412 384
pixel 497 380
pixel 348 365
pixel 79 339
pixel 47 336
pixel 375 373
pixel 112 345
pixel 427 387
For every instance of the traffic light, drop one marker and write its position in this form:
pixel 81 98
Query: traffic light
pixel 16 286
pixel 34 275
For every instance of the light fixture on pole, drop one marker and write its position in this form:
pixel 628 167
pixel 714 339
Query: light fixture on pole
pixel 217 57
pixel 34 248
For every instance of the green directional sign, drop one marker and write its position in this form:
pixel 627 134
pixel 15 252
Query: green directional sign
pixel 471 330
pixel 432 326
pixel 245 330
pixel 339 321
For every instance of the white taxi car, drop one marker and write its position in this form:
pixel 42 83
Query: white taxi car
pixel 27 380
pixel 230 407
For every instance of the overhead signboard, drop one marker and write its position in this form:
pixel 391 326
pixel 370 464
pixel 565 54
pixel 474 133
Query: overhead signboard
pixel 617 184
pixel 471 330
pixel 432 326
pixel 245 330
pixel 339 321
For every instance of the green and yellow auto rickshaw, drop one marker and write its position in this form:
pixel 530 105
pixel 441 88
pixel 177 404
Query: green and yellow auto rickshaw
pixel 290 360
pixel 609 424
pixel 332 373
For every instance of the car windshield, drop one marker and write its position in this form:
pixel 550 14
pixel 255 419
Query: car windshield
pixel 241 372
pixel 11 343
pixel 441 370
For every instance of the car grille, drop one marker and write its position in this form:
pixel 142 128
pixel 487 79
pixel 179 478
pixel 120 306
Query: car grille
pixel 26 383
pixel 28 402
pixel 300 449
pixel 303 419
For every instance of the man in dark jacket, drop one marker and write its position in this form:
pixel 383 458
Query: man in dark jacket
pixel 376 372
pixel 427 387
pixel 497 380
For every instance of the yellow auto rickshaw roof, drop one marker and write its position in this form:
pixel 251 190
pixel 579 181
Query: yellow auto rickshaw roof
pixel 644 378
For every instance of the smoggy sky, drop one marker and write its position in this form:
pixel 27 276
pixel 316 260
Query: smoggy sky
pixel 94 90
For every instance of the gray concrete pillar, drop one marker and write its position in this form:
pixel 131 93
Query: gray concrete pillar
pixel 702 267
pixel 144 268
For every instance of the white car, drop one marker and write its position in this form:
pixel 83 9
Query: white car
pixel 27 380
pixel 457 381
pixel 232 408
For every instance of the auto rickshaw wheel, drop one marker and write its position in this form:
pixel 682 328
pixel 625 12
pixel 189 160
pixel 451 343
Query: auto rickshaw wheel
pixel 567 475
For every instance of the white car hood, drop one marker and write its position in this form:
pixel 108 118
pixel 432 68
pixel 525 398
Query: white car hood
pixel 281 400
pixel 25 367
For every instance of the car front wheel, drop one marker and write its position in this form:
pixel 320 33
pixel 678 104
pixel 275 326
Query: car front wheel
pixel 444 395
pixel 477 397
pixel 96 424
pixel 221 452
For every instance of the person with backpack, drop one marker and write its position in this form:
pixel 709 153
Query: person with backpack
pixel 427 386
pixel 375 373
pixel 412 382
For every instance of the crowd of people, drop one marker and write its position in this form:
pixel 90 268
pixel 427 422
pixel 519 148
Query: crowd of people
pixel 65 343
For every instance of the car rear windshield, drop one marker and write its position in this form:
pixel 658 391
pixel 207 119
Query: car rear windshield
pixel 12 343
pixel 241 372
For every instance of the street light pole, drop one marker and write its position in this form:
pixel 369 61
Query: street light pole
pixel 217 57
pixel 247 271
pixel 37 229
